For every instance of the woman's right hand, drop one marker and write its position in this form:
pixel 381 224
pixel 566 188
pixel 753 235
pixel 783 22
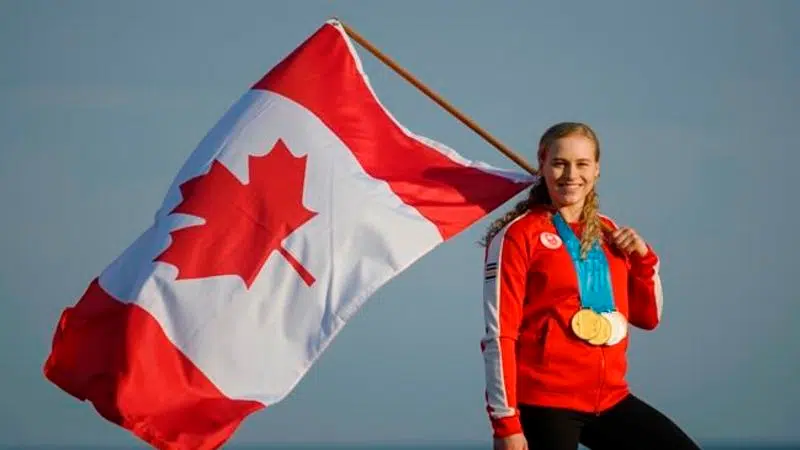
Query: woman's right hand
pixel 513 442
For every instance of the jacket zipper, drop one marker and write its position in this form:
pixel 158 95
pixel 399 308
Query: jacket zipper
pixel 602 381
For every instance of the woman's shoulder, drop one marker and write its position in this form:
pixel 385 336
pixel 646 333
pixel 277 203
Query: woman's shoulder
pixel 608 221
pixel 532 221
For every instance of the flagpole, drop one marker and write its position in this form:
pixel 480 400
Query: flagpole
pixel 437 98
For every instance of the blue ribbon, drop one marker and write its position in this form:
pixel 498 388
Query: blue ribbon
pixel 594 275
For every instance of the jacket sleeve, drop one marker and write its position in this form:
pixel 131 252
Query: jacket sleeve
pixel 505 272
pixel 645 297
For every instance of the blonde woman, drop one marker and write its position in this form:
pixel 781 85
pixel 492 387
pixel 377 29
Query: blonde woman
pixel 562 285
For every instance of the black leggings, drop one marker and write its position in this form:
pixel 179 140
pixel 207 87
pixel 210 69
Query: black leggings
pixel 631 423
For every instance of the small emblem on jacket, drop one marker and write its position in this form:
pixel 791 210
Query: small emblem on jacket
pixel 550 240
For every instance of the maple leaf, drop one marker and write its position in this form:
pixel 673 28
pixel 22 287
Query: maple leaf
pixel 244 223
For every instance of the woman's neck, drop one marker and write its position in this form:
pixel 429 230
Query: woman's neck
pixel 571 213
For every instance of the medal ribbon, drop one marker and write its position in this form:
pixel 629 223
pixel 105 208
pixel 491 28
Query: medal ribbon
pixel 594 275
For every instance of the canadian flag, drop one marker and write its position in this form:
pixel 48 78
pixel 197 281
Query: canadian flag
pixel 305 198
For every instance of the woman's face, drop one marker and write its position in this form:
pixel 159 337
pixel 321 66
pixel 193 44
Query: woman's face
pixel 570 169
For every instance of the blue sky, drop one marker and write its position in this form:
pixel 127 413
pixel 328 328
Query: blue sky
pixel 696 105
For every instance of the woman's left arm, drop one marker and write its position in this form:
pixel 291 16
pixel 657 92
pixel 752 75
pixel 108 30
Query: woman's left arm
pixel 645 297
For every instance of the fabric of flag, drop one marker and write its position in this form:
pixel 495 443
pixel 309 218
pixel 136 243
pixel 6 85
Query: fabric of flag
pixel 305 198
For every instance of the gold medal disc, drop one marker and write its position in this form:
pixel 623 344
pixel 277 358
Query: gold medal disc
pixel 586 324
pixel 603 334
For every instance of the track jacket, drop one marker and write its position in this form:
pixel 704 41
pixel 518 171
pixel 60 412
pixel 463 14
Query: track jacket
pixel 530 352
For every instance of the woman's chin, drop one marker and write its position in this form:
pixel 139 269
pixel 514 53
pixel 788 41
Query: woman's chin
pixel 564 201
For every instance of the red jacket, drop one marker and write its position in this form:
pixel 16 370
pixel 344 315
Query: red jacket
pixel 530 352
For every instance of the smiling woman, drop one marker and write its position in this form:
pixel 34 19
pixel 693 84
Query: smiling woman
pixel 562 283
pixel 570 142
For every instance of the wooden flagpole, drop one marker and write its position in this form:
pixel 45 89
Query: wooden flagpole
pixel 437 98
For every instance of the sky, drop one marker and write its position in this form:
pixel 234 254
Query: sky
pixel 696 105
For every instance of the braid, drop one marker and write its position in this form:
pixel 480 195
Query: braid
pixel 537 195
pixel 592 229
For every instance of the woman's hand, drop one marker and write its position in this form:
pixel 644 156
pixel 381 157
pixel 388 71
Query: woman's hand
pixel 627 240
pixel 513 442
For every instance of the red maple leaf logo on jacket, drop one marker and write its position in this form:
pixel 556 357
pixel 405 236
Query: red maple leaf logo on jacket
pixel 244 223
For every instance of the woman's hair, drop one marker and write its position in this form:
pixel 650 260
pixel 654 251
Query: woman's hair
pixel 538 195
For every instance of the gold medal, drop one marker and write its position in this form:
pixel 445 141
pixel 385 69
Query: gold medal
pixel 586 324
pixel 604 332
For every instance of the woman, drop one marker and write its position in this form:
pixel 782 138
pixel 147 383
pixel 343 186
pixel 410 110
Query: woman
pixel 562 284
